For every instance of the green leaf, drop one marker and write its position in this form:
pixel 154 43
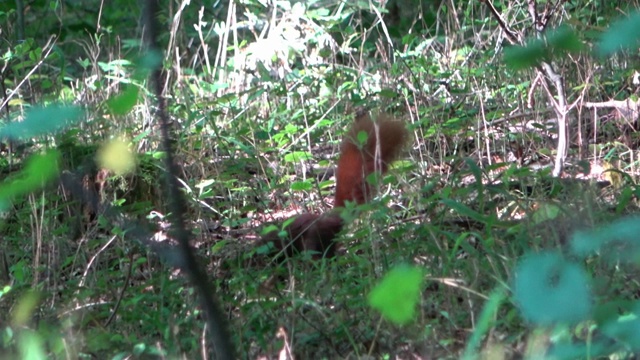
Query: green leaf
pixel 388 93
pixel 619 240
pixel 485 322
pixel 25 308
pixel 397 294
pixel 464 210
pixel 269 228
pixel 302 186
pixel 124 102
pixel 5 290
pixel 622 34
pixel 546 211
pixel 38 170
pixel 523 57
pixel 215 249
pixel 151 60
pixel 139 349
pixel 205 184
pixel 625 328
pixel 564 39
pixel 560 40
pixel 551 290
pixel 362 137
pixel 42 121
pixel 298 156
pixel 31 346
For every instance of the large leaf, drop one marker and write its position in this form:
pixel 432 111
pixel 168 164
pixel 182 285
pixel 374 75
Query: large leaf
pixel 618 241
pixel 117 156
pixel 42 121
pixel 39 170
pixel 623 34
pixel 551 290
pixel 397 294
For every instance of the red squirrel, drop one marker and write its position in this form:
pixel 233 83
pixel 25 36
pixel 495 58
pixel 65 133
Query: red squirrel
pixel 313 232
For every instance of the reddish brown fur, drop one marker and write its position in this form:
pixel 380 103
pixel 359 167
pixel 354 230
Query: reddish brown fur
pixel 311 232
pixel 357 162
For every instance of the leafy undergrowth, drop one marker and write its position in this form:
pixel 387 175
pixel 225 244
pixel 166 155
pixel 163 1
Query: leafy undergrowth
pixel 467 259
